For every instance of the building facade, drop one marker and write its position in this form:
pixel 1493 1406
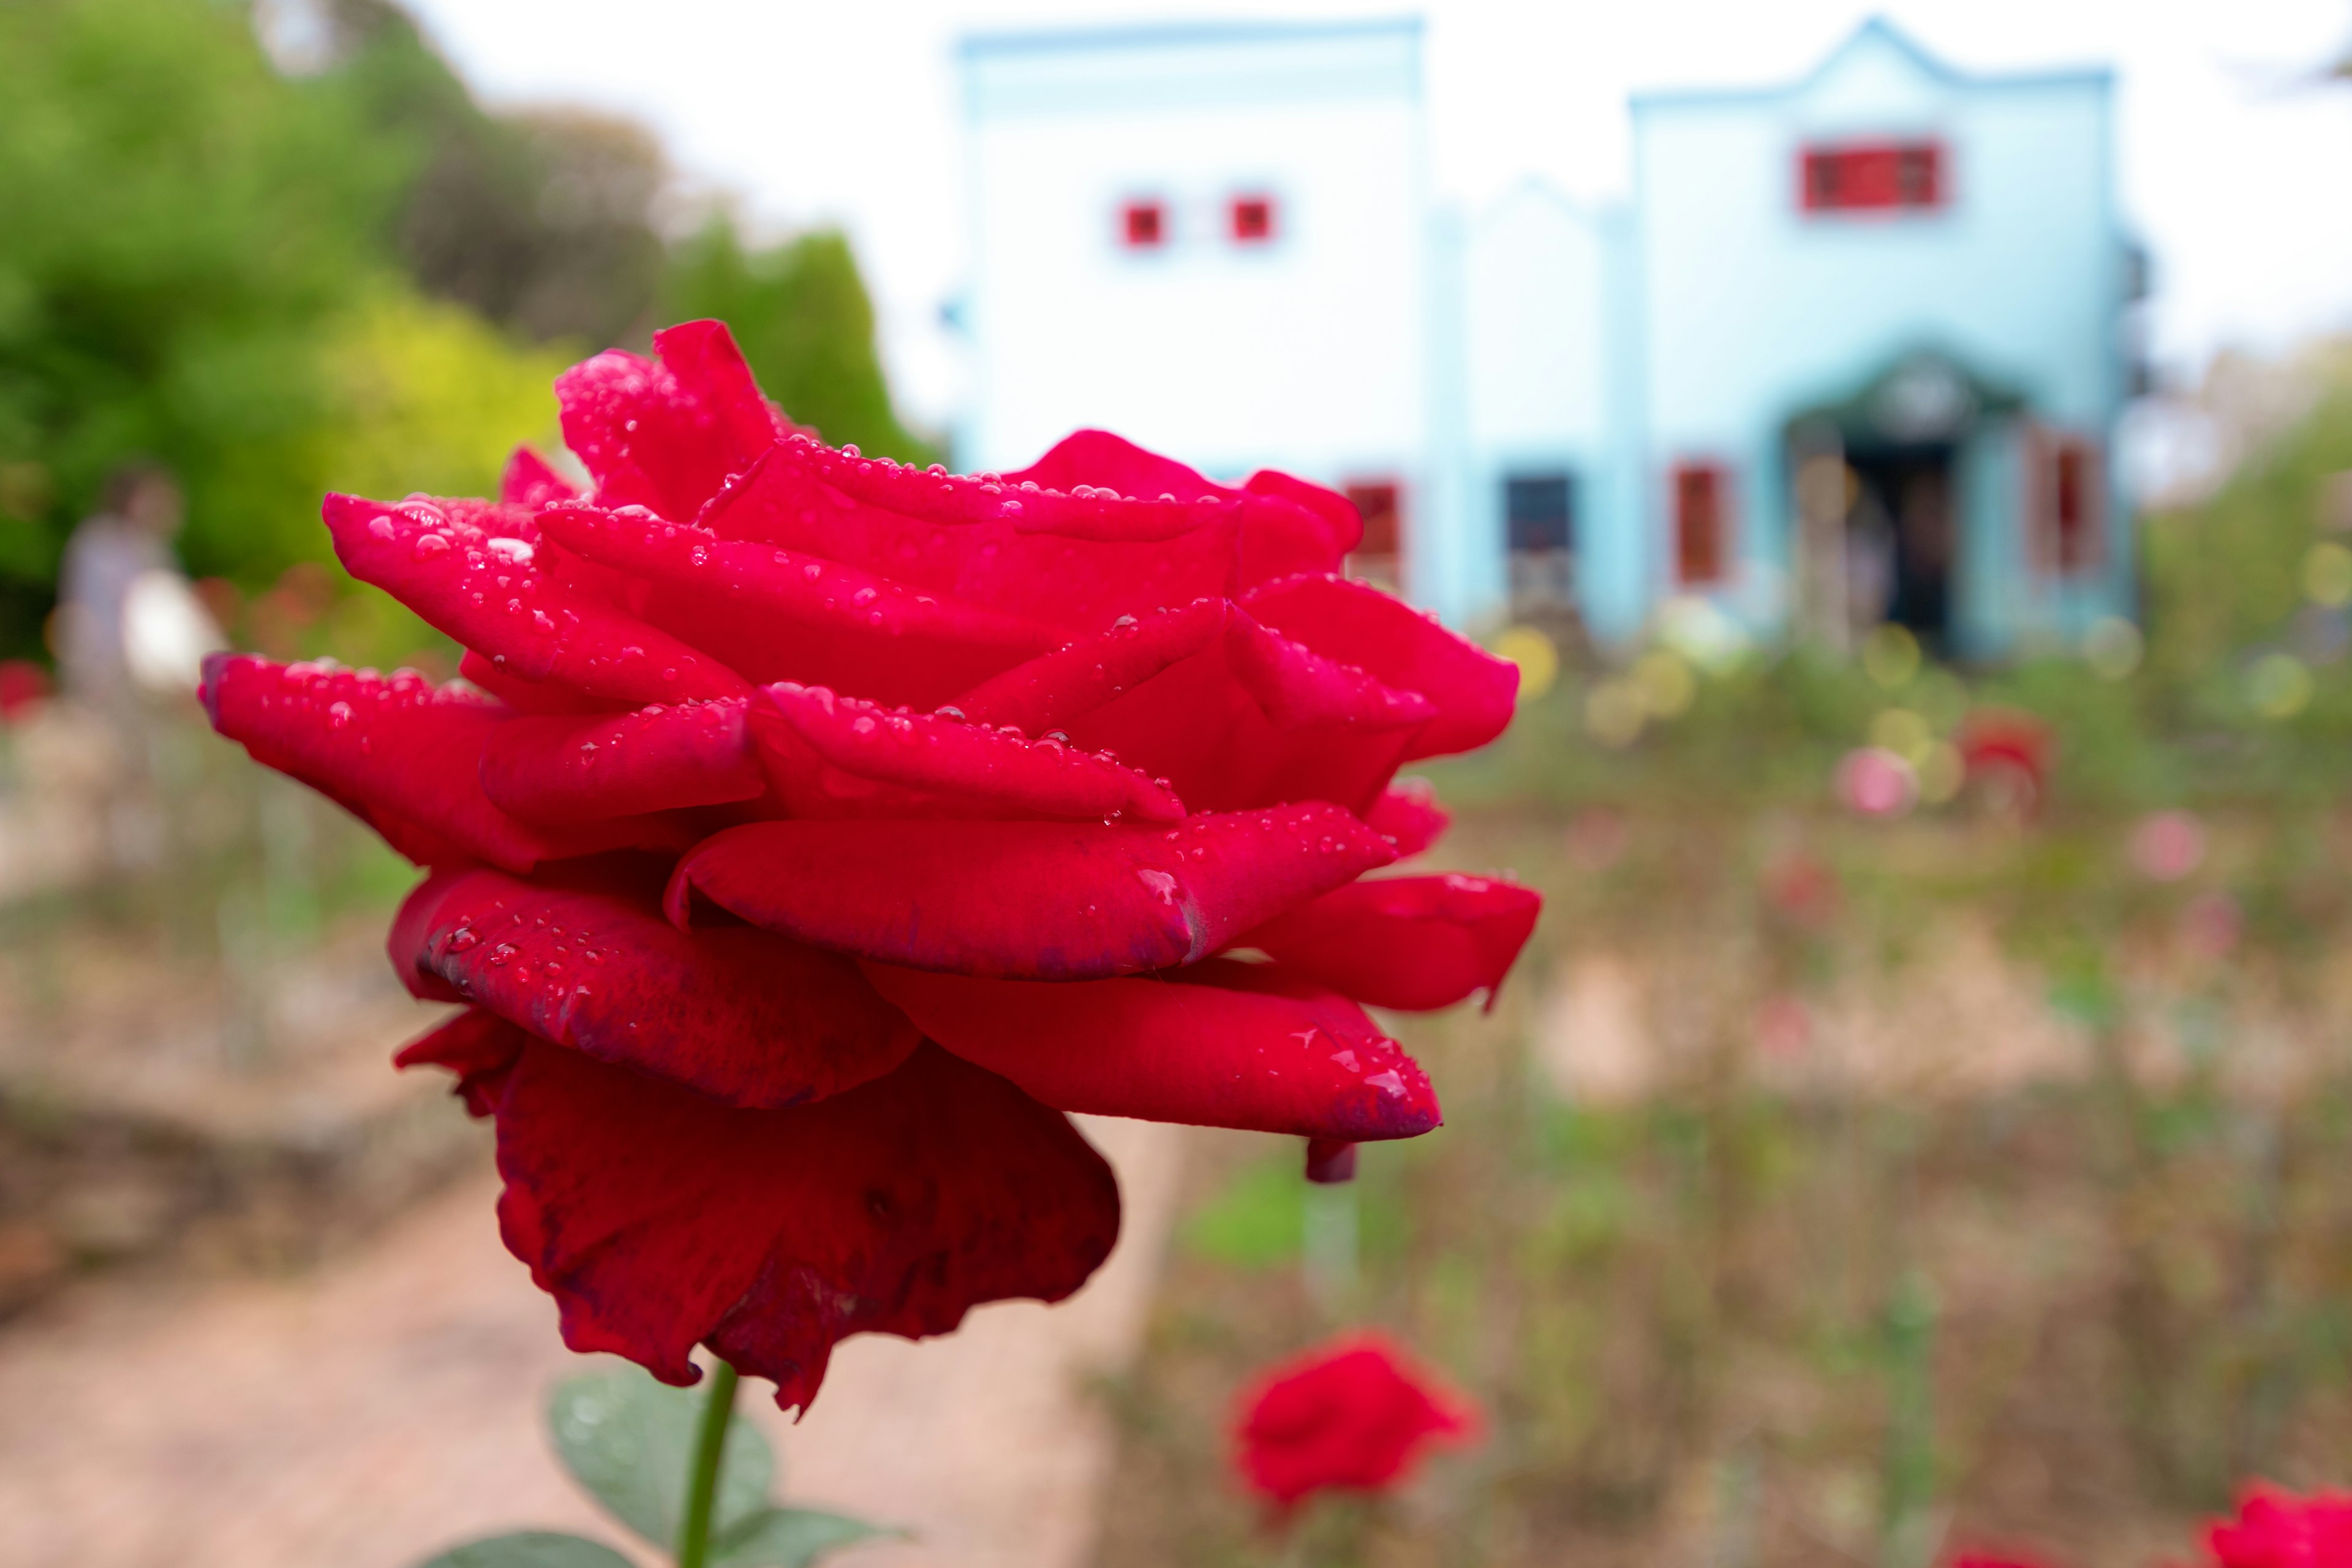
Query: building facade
pixel 1853 351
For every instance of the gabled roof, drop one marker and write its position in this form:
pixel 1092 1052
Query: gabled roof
pixel 1149 35
pixel 1876 33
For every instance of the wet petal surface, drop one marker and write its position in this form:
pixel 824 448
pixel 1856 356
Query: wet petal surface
pixel 830 756
pixel 660 1220
pixel 1355 623
pixel 778 615
pixel 398 751
pixel 1231 714
pixel 473 570
pixel 1035 900
pixel 1218 1045
pixel 585 959
pixel 664 433
pixel 573 769
pixel 1411 943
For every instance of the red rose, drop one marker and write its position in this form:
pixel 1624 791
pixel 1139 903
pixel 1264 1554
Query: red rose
pixel 816 830
pixel 2279 1529
pixel 2008 752
pixel 1354 1414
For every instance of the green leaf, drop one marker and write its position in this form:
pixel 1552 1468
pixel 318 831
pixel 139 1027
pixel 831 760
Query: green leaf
pixel 531 1549
pixel 629 1440
pixel 790 1538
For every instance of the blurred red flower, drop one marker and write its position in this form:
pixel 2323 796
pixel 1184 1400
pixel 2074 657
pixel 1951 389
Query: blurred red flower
pixel 1355 1413
pixel 816 830
pixel 1804 889
pixel 23 687
pixel 2007 753
pixel 2277 1529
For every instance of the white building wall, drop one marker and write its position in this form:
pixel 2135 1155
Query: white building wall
pixel 1309 352
pixel 1756 310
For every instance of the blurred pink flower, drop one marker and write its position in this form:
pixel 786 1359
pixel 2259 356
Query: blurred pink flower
pixel 1784 1027
pixel 1596 838
pixel 2210 925
pixel 2276 1529
pixel 1876 783
pixel 2167 844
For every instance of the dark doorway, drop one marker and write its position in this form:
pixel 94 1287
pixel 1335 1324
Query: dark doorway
pixel 1900 538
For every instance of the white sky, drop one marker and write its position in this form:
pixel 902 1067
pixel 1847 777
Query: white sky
pixel 2236 167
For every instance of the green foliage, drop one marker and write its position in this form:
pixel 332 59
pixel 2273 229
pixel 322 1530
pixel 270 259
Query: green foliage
pixel 805 324
pixel 531 1549
pixel 2228 575
pixel 181 224
pixel 1256 1220
pixel 789 1538
pixel 629 1440
pixel 541 221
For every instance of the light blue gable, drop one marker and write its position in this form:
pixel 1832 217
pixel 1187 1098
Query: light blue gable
pixel 1753 309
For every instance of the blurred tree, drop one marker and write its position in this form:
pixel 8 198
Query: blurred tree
pixel 543 221
pixel 212 258
pixel 181 222
pixel 2229 574
pixel 806 323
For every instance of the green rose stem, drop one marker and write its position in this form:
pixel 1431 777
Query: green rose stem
pixel 702 1481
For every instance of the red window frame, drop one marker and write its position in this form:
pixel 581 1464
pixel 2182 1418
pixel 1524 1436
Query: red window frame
pixel 1381 503
pixel 2069 502
pixel 1880 176
pixel 1250 216
pixel 1699 493
pixel 1143 222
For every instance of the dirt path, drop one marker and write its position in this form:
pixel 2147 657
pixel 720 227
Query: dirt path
pixel 367 1413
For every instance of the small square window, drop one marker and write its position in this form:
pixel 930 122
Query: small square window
pixel 1873 177
pixel 1377 502
pixel 1540 511
pixel 1143 225
pixel 1702 522
pixel 1251 219
pixel 2069 503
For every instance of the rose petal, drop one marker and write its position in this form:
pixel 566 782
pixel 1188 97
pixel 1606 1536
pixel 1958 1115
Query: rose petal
pixel 1408 812
pixel 659 1220
pixel 1038 900
pixel 776 615
pixel 1354 1414
pixel 1301 531
pixel 831 756
pixel 1412 942
pixel 525 695
pixel 490 591
pixel 583 958
pixel 1077 563
pixel 400 752
pixel 529 481
pixel 1218 1045
pixel 562 769
pixel 1342 523
pixel 666 433
pixel 1355 623
pixel 478 1046
pixel 1231 714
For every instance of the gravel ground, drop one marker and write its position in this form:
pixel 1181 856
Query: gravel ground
pixel 367 1412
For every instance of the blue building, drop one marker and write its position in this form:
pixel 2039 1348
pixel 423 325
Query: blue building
pixel 1855 349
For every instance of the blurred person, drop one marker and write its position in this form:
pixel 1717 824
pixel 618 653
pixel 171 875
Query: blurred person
pixel 131 634
pixel 128 619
